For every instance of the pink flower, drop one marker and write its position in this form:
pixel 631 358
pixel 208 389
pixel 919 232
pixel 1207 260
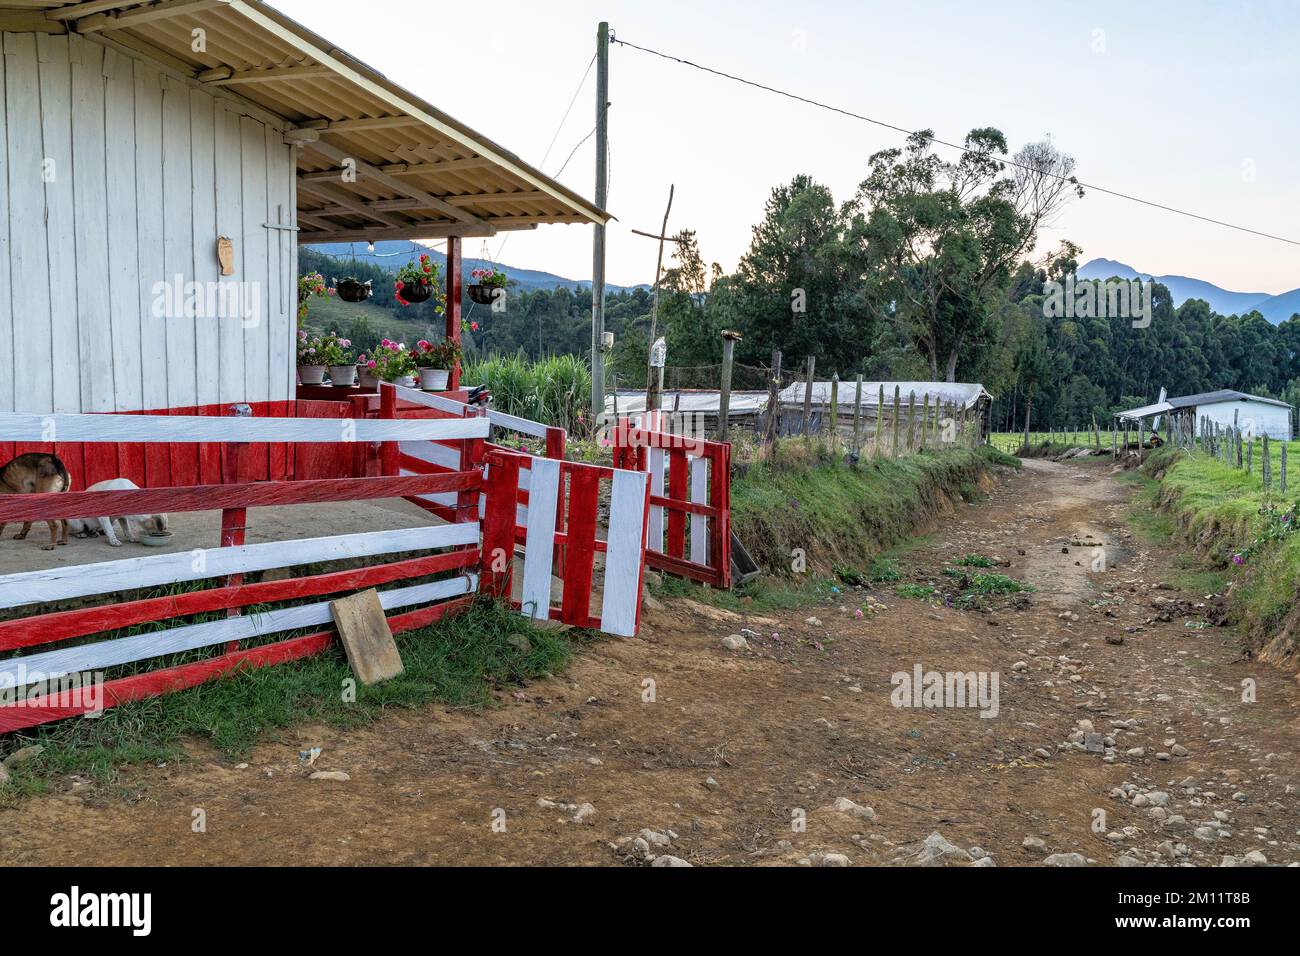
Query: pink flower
pixel 423 344
pixel 370 364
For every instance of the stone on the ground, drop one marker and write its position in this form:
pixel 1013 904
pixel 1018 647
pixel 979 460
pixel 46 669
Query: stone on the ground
pixel 845 805
pixel 734 642
pixel 654 837
pixel 330 775
pixel 936 851
pixel 667 860
pixel 584 811
pixel 832 859
pixel 25 753
pixel 1066 859
pixel 1034 845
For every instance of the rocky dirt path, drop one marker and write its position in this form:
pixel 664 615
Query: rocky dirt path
pixel 1120 735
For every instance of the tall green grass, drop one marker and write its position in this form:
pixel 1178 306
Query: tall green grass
pixel 553 391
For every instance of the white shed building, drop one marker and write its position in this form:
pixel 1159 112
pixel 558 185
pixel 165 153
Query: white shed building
pixel 1254 415
pixel 139 139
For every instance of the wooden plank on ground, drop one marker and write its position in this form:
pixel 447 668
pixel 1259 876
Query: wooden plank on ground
pixel 363 628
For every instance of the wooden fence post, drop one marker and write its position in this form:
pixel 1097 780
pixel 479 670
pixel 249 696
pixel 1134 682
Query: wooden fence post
pixel 880 420
pixel 724 403
pixel 911 424
pixel 833 437
pixel 925 421
pixel 807 395
pixel 894 423
pixel 774 403
pixel 857 420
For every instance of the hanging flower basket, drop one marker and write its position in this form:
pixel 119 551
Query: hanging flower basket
pixel 485 285
pixel 417 282
pixel 353 290
pixel 415 294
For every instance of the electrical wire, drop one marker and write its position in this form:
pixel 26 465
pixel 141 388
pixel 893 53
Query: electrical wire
pixel 899 129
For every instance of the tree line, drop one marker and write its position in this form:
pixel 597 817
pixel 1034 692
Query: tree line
pixel 930 271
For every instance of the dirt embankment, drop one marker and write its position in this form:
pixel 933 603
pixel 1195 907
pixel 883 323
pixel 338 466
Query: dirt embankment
pixel 1128 729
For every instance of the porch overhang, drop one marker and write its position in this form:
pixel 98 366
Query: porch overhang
pixel 374 160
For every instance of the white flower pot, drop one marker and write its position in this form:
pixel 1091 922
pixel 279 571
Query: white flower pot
pixel 434 379
pixel 342 376
pixel 406 381
pixel 311 374
pixel 367 378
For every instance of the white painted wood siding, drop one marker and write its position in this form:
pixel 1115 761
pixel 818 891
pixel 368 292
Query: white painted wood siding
pixel 116 177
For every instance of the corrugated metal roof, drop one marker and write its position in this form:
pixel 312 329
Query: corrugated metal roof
pixel 961 394
pixel 1222 395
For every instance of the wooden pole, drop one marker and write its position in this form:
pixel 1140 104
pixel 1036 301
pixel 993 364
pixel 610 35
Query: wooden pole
pixel 894 423
pixel 834 417
pixel 729 340
pixel 807 395
pixel 911 424
pixel 654 376
pixel 774 403
pixel 598 236
pixel 880 421
pixel 857 420
pixel 925 421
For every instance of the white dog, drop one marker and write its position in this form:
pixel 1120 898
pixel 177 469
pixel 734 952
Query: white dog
pixel 131 524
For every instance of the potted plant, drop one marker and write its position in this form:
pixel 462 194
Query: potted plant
pixel 367 377
pixel 352 289
pixel 395 363
pixel 313 283
pixel 334 353
pixel 416 282
pixel 311 368
pixel 487 282
pixel 435 363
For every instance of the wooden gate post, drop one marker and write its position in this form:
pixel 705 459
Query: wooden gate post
pixel 857 420
pixel 807 395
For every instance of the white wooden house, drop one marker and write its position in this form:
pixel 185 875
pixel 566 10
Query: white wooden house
pixel 134 136
pixel 1254 415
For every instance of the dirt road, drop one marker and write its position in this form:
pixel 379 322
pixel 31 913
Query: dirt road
pixel 743 754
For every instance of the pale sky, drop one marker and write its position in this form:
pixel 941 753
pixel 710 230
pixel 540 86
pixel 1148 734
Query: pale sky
pixel 1190 104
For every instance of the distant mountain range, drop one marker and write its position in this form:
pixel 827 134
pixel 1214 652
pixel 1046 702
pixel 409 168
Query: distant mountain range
pixel 1275 308
pixel 393 254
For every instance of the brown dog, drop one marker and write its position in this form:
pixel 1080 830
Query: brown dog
pixel 32 474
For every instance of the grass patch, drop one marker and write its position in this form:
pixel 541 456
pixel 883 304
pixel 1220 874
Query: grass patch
pixel 459 661
pixel 840 515
pixel 996 584
pixel 770 594
pixel 1225 513
pixel 922 592
pixel 974 561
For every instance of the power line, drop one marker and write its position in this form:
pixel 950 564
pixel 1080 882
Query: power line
pixel 956 146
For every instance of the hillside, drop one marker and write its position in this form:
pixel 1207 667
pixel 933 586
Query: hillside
pixel 392 255
pixel 1275 308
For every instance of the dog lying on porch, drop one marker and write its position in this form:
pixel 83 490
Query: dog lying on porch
pixel 31 474
pixel 131 525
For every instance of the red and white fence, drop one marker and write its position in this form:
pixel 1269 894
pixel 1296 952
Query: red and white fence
pixel 443 549
pixel 690 500
pixel 561 533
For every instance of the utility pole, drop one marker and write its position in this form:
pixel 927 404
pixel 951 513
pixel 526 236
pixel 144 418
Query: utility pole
pixel 598 238
pixel 655 373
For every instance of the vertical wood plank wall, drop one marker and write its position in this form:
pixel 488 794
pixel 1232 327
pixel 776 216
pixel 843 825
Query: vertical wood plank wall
pixel 115 176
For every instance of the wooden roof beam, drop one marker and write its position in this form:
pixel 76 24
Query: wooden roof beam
pixel 413 231
pixel 126 19
pixel 357 125
pixel 79 10
pixel 497 199
pixel 228 76
pixel 341 197
pixel 378 205
pixel 340 156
